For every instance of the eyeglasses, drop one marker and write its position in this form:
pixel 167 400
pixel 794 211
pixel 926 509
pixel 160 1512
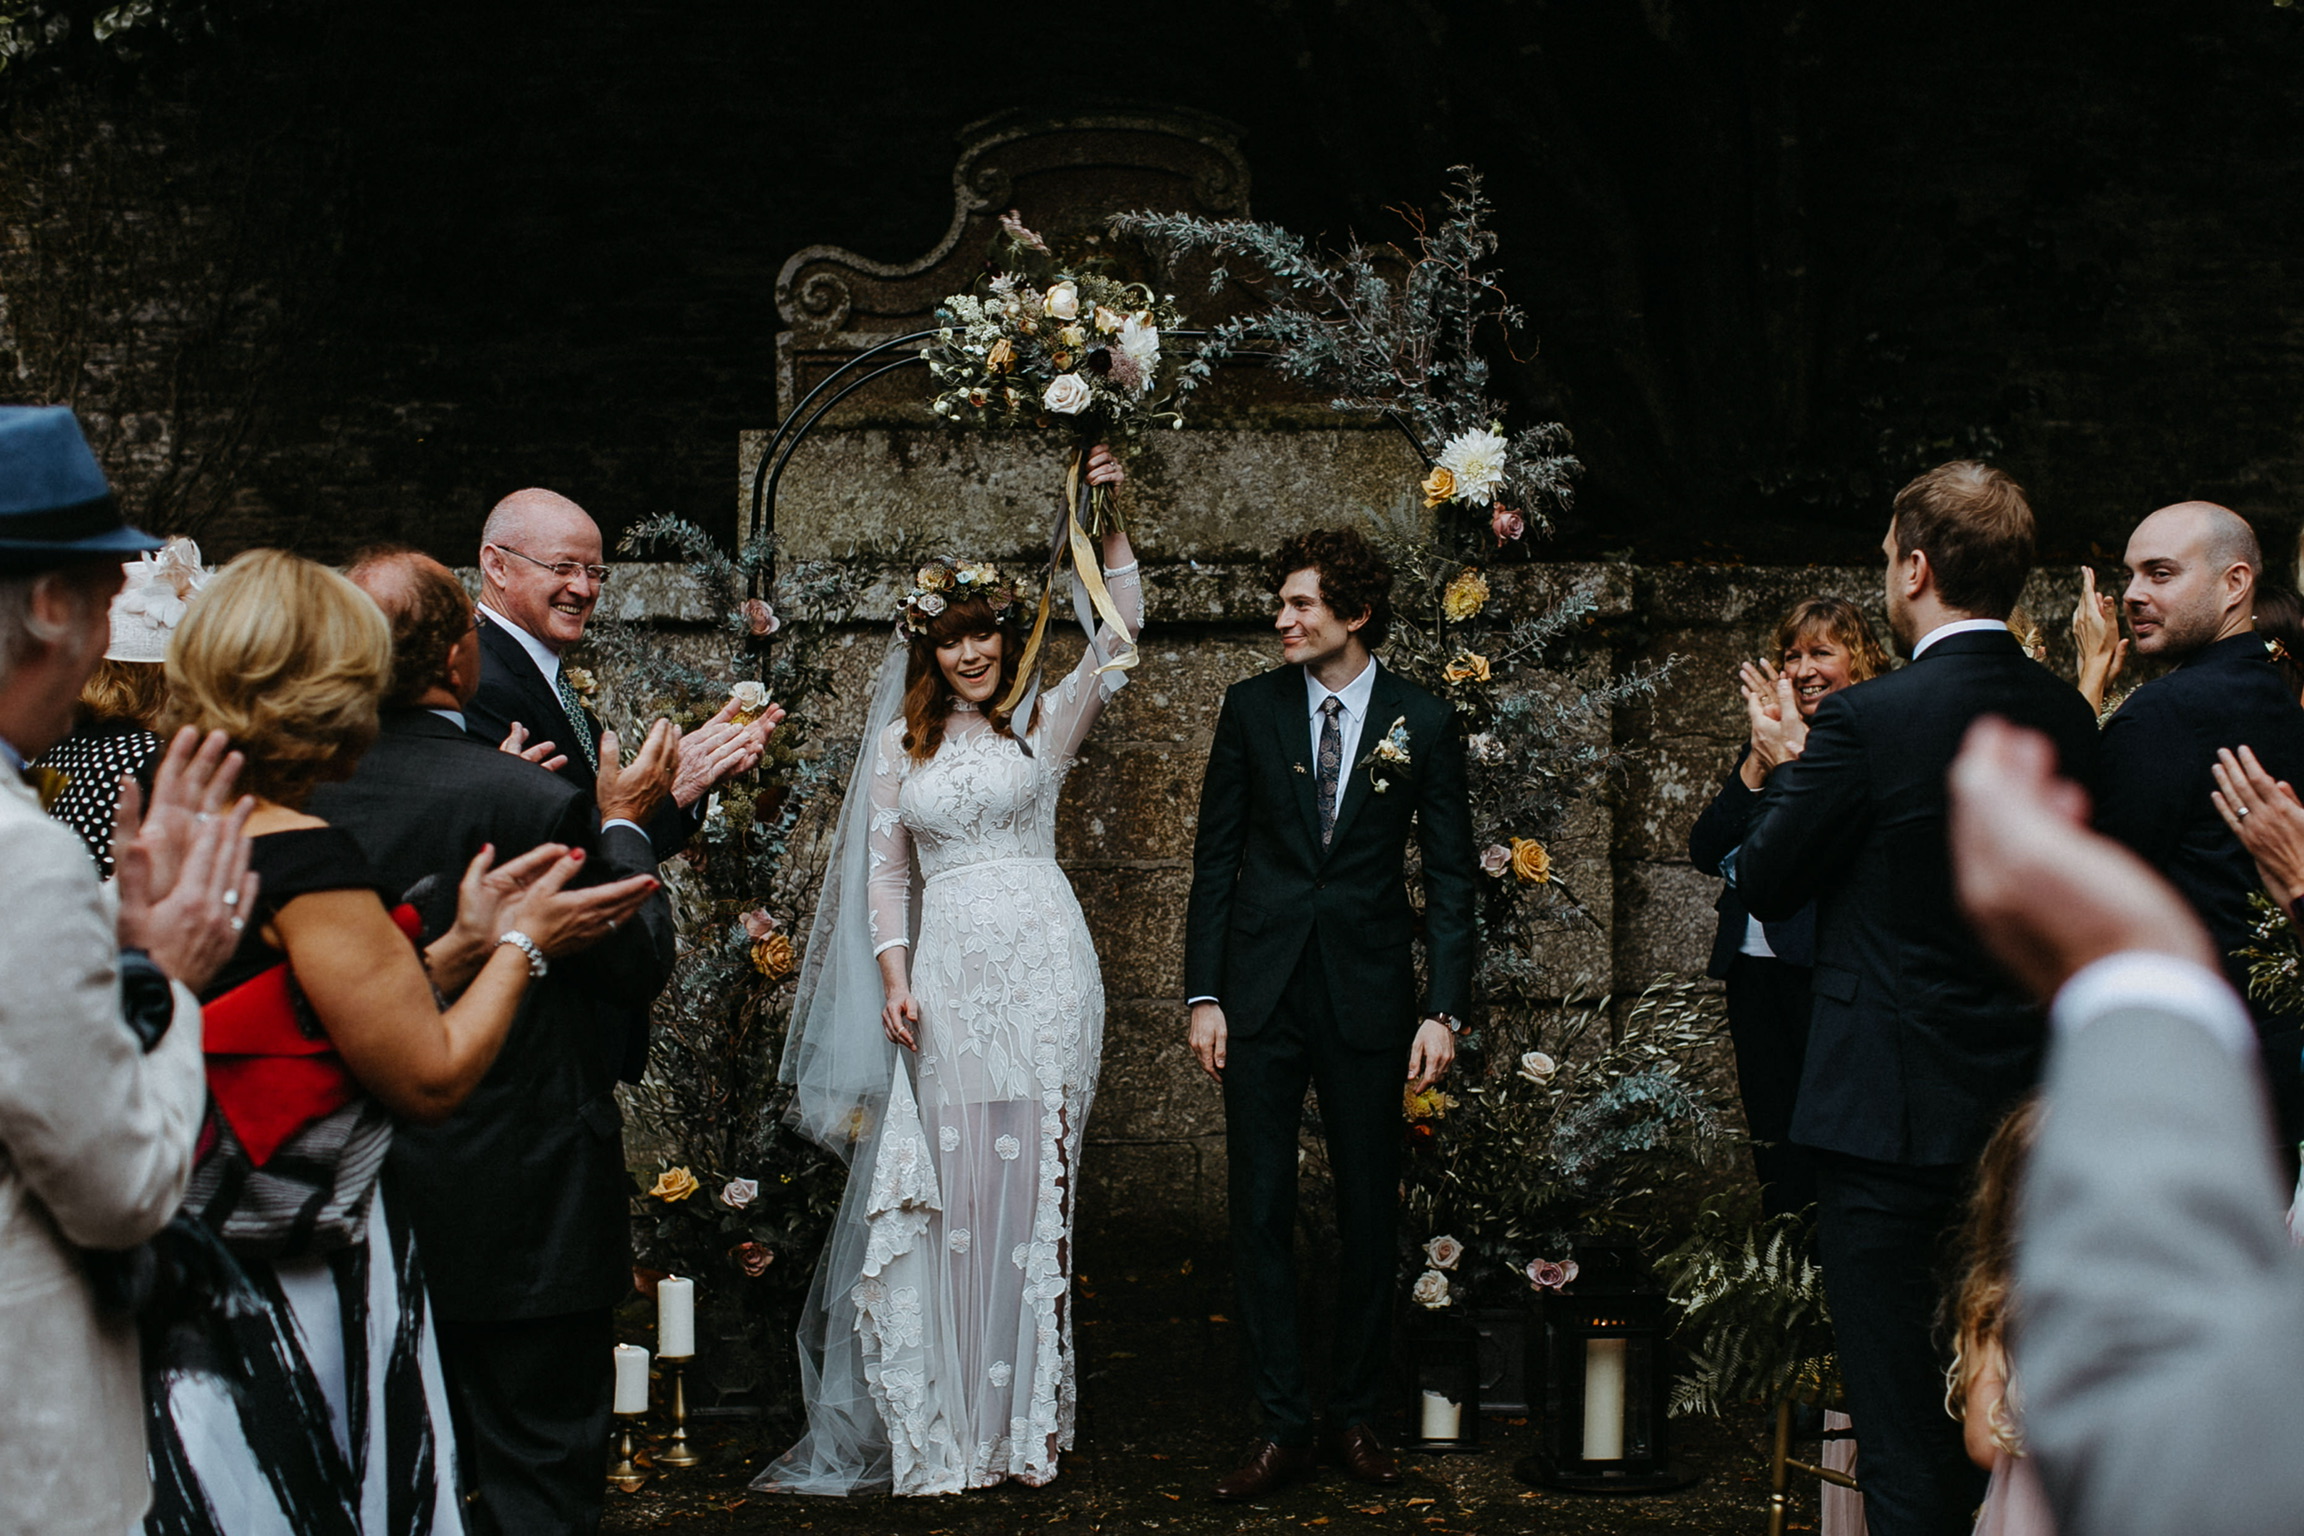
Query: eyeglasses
pixel 566 570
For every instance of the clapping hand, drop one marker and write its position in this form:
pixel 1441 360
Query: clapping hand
pixel 2263 813
pixel 721 748
pixel 483 897
pixel 1779 732
pixel 2096 636
pixel 632 791
pixel 184 886
pixel 543 754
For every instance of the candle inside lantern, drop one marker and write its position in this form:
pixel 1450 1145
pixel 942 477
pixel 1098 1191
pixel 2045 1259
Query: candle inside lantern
pixel 631 1379
pixel 1604 1399
pixel 675 1317
pixel 1442 1419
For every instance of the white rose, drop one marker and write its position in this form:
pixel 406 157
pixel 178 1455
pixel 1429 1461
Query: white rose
pixel 1431 1292
pixel 1063 301
pixel 1443 1252
pixel 1538 1068
pixel 1067 394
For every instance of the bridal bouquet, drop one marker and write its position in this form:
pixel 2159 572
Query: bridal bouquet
pixel 1050 344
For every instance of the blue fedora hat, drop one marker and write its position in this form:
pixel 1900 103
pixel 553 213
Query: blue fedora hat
pixel 55 507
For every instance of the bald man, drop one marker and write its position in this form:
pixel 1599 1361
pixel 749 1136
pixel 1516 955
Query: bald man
pixel 541 574
pixel 2191 600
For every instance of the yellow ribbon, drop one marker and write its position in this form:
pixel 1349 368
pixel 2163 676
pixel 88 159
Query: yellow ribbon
pixel 1091 573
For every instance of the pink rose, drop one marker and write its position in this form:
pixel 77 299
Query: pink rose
pixel 1506 524
pixel 759 618
pixel 754 1258
pixel 1545 1275
pixel 1495 859
pixel 739 1193
pixel 760 922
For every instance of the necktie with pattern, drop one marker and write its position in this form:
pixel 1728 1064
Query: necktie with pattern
pixel 1331 763
pixel 574 707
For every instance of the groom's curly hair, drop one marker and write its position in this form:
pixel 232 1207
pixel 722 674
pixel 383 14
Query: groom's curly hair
pixel 1354 578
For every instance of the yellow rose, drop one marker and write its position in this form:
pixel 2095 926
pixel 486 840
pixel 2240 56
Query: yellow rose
pixel 1431 1104
pixel 673 1184
pixel 1530 862
pixel 1439 486
pixel 1466 595
pixel 1072 336
pixel 931 578
pixel 772 956
pixel 1468 667
pixel 1002 357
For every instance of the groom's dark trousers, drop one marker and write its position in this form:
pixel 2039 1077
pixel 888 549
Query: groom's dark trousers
pixel 1306 946
pixel 1918 1043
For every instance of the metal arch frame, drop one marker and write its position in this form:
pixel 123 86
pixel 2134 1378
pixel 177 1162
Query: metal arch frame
pixel 793 430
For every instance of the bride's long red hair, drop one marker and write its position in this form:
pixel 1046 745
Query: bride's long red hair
pixel 928 696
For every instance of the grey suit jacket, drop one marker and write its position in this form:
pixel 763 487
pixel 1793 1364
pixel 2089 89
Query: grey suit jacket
pixel 2161 1306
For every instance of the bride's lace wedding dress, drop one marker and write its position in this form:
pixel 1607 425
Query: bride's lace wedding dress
pixel 962 1305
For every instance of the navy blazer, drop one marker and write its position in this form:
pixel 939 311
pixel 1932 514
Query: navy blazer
pixel 1262 883
pixel 2158 752
pixel 1919 1042
pixel 512 688
pixel 1717 834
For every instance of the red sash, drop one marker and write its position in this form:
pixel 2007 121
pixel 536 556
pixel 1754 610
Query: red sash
pixel 269 1078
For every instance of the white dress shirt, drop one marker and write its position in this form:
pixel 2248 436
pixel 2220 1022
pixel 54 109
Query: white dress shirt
pixel 1349 720
pixel 1956 627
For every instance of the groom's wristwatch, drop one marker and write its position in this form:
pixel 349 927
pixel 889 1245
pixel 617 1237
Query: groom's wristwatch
pixel 1455 1024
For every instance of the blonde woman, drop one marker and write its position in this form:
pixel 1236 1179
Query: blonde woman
pixel 297 1387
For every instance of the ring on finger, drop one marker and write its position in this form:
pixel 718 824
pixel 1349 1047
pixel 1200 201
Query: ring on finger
pixel 2240 813
pixel 203 816
pixel 236 922
pixel 231 898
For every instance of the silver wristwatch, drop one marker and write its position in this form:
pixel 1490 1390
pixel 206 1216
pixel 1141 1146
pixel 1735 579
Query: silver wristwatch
pixel 537 964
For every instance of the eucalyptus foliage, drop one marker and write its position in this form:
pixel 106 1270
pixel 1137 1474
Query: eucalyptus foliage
pixel 710 1102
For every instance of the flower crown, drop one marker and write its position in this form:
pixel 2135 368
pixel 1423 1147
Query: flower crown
pixel 942 581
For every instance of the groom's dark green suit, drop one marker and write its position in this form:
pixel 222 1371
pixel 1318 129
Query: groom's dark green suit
pixel 1307 950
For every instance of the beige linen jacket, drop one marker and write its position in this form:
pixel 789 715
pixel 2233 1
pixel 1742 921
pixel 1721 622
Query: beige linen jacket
pixel 95 1148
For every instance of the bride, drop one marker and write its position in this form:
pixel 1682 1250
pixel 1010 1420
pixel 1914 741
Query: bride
pixel 944 1043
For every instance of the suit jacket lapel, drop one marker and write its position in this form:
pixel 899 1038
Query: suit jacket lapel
pixel 1354 791
pixel 1290 736
pixel 545 718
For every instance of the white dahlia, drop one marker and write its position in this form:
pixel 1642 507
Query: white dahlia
pixel 1476 458
pixel 1140 344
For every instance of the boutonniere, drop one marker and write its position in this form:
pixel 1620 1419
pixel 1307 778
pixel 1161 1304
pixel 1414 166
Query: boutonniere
pixel 582 680
pixel 1389 757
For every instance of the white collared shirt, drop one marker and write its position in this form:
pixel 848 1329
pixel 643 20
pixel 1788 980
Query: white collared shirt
pixel 1956 627
pixel 454 717
pixel 547 659
pixel 1349 720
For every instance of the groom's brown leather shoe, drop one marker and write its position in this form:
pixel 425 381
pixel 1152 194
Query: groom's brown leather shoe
pixel 1361 1454
pixel 1269 1469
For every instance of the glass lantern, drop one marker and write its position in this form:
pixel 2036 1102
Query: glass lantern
pixel 1443 1380
pixel 1599 1355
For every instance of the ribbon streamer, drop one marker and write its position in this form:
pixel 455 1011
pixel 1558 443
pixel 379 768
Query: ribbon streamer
pixel 1069 539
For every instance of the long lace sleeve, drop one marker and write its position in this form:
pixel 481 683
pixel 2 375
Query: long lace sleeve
pixel 1071 706
pixel 890 846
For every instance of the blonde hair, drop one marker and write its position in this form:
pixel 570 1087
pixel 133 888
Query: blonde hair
pixel 289 660
pixel 1985 1297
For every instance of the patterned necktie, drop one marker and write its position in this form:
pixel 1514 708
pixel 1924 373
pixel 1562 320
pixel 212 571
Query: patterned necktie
pixel 1331 763
pixel 574 707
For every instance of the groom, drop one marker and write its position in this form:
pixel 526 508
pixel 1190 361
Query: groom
pixel 1299 974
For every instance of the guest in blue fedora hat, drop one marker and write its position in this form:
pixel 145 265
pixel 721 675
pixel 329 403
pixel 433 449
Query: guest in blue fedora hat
pixel 101 1087
pixel 56 509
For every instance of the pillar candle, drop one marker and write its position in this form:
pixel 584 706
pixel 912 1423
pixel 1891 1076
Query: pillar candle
pixel 631 1379
pixel 675 1317
pixel 1604 1399
pixel 1443 1420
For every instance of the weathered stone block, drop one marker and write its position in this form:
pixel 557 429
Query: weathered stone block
pixel 1151 1087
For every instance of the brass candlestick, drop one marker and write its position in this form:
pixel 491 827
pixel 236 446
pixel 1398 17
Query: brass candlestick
pixel 626 1474
pixel 677 1454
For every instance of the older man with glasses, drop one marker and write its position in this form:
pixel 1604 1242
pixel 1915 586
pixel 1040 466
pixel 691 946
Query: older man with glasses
pixel 541 574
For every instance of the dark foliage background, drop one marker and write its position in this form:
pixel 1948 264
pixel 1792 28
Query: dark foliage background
pixel 1779 253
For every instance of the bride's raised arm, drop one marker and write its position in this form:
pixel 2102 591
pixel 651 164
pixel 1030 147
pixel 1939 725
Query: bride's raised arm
pixel 1072 706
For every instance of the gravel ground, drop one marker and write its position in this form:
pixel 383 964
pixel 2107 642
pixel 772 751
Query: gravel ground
pixel 1163 1416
